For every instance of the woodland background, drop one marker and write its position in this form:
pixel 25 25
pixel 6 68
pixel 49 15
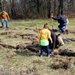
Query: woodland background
pixel 21 9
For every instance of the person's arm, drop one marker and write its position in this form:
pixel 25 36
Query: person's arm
pixel 57 18
pixel 8 16
pixel 49 35
pixel 54 18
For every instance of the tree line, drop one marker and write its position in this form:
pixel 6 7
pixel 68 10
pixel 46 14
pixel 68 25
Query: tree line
pixel 37 8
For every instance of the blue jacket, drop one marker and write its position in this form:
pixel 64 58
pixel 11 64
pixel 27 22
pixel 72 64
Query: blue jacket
pixel 61 19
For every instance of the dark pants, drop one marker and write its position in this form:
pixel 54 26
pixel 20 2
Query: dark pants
pixel 43 48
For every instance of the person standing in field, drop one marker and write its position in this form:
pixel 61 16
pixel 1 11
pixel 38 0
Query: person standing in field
pixel 43 36
pixel 63 21
pixel 4 18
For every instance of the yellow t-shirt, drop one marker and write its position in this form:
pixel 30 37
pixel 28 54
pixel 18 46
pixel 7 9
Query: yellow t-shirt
pixel 43 37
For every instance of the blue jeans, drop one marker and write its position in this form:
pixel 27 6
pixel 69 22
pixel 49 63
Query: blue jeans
pixel 2 21
pixel 43 48
pixel 61 27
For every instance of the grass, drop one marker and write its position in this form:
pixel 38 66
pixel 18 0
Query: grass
pixel 31 63
pixel 40 22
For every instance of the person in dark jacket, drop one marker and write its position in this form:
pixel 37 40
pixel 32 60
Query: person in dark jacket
pixel 57 41
pixel 54 36
pixel 62 20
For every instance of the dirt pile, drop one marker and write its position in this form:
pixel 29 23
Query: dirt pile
pixel 66 52
pixel 60 63
pixel 69 40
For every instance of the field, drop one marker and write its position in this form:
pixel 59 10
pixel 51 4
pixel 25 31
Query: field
pixel 19 51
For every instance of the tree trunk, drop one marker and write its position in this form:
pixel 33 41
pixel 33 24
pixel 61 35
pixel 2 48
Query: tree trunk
pixel 60 10
pixel 0 6
pixel 54 7
pixel 48 8
pixel 13 13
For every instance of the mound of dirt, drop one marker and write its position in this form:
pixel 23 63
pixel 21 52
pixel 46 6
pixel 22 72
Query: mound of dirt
pixel 60 63
pixel 69 40
pixel 13 36
pixel 67 52
pixel 7 45
pixel 21 46
pixel 34 48
pixel 69 31
pixel 5 33
pixel 29 72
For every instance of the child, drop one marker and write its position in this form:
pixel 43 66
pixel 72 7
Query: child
pixel 43 37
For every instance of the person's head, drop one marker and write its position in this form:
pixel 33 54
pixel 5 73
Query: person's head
pixel 58 15
pixel 46 26
pixel 65 16
pixel 3 11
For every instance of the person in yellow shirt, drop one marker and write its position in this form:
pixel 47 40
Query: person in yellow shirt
pixel 43 36
pixel 4 17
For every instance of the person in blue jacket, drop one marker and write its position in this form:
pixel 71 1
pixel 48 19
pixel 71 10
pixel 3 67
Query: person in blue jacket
pixel 62 20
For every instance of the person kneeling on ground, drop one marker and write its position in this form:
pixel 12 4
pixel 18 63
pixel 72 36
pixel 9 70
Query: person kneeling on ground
pixel 63 22
pixel 57 41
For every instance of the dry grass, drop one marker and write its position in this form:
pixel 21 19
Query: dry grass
pixel 22 63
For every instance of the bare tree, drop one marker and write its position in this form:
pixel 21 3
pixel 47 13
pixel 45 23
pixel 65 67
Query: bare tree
pixel 48 8
pixel 37 8
pixel 0 6
pixel 60 11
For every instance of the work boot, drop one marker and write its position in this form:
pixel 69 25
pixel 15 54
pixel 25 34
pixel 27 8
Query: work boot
pixel 2 27
pixel 67 32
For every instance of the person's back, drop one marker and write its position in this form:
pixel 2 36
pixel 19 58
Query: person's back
pixel 61 19
pixel 44 34
pixel 57 41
